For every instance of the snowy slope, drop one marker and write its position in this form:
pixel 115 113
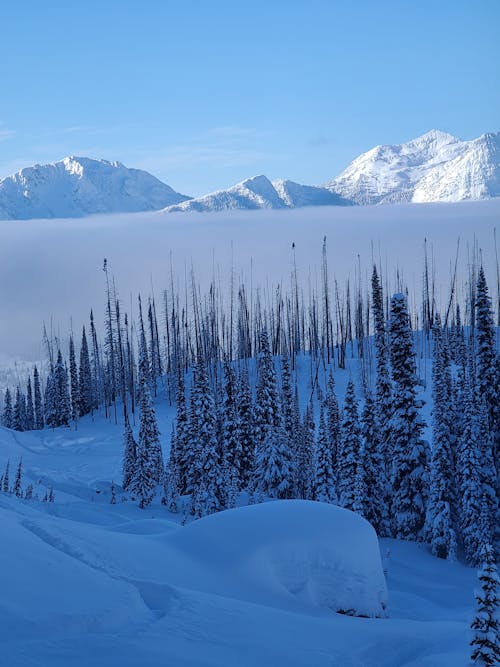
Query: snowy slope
pixel 259 193
pixel 85 582
pixel 78 186
pixel 434 167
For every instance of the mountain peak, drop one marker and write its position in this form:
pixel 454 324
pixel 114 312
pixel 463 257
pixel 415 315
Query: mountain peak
pixel 78 186
pixel 433 167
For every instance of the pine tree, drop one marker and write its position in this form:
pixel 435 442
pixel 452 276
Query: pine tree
pixel 50 401
pixel 7 417
pixel 304 453
pixel 62 406
pixel 469 476
pixel 183 445
pixel 172 476
pixel 112 499
pixel 439 521
pixel 350 450
pixel 30 410
pixel 244 406
pixel 74 384
pixel 230 449
pixel 485 626
pixel 324 480
pixel 383 394
pixel 273 470
pixel 29 492
pixel 85 378
pixel 51 497
pixel 38 407
pixel 149 435
pixel 333 423
pixel 129 454
pixel 409 470
pixel 205 476
pixel 374 482
pixel 19 418
pixel 17 490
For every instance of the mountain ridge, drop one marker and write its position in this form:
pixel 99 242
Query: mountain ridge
pixel 434 167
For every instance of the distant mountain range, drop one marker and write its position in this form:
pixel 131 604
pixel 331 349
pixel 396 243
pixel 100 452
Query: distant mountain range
pixel 434 167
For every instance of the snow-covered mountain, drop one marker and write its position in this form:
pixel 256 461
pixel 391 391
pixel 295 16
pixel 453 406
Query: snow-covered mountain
pixel 434 167
pixel 78 186
pixel 258 193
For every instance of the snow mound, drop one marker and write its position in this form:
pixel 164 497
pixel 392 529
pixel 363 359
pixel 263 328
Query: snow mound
pixel 312 553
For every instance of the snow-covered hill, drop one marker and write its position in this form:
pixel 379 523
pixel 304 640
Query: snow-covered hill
pixel 259 193
pixel 78 186
pixel 434 167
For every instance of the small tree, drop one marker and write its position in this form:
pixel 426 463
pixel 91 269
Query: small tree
pixel 17 483
pixel 486 638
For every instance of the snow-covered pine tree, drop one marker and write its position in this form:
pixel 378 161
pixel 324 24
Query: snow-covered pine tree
pixel 205 474
pixel 487 386
pixel 230 450
pixel 375 507
pixel 50 401
pixel 62 392
pixel 324 480
pixel 469 477
pixel 183 446
pixel 333 423
pixel 485 626
pixel 38 406
pixel 74 384
pixel 487 472
pixel 85 378
pixel 439 521
pixel 383 392
pixel 7 416
pixel 144 480
pixel 244 406
pixel 409 479
pixel 149 435
pixel 29 492
pixel 129 453
pixel 273 470
pixel 30 410
pixel 172 476
pixel 17 490
pixel 304 455
pixel 19 416
pixel 288 416
pixel 349 451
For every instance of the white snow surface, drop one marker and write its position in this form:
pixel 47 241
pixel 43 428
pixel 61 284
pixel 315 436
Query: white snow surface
pixel 434 167
pixel 80 186
pixel 86 582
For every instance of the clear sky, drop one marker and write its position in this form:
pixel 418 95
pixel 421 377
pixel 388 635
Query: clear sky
pixel 206 93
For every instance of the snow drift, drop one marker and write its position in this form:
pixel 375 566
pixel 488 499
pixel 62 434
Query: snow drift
pixel 300 551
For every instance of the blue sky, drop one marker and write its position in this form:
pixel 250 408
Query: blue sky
pixel 204 94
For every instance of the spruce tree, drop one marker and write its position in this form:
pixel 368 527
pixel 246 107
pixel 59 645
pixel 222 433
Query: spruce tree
pixel 74 384
pixel 409 454
pixel 18 421
pixel 172 476
pixel 350 450
pixel 383 393
pixel 129 454
pixel 304 456
pixel 62 406
pixel 324 480
pixel 244 406
pixel 17 490
pixel 205 474
pixel 7 417
pixel 485 626
pixel 439 521
pixel 85 378
pixel 332 416
pixel 374 482
pixel 30 410
pixel 38 406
